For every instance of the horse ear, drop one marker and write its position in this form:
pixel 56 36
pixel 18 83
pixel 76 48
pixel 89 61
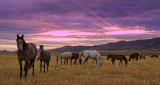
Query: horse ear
pixel 17 36
pixel 22 35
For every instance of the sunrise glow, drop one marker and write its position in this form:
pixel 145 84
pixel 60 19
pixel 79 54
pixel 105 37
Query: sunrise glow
pixel 126 32
pixel 66 33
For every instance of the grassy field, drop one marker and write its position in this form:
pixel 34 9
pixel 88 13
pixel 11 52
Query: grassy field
pixel 143 72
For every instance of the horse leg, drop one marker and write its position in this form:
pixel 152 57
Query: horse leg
pixel 112 61
pixel 33 66
pixel 70 61
pixel 67 60
pixel 84 60
pixel 47 62
pixel 61 61
pixel 26 68
pixel 40 65
pixel 75 61
pixel 20 63
pixel 120 62
pixel 93 61
pixel 64 60
pixel 44 66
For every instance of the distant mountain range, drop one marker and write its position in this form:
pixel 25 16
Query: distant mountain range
pixel 4 51
pixel 146 44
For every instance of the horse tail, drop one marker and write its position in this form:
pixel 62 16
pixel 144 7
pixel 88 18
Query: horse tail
pixel 80 54
pixel 58 58
pixel 125 59
pixel 79 57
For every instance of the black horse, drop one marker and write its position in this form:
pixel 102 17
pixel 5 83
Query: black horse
pixel 154 56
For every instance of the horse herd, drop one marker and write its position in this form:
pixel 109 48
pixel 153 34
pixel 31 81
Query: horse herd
pixel 27 52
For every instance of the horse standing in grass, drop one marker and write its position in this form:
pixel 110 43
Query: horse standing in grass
pixel 119 57
pixel 64 56
pixel 154 56
pixel 26 52
pixel 109 56
pixel 45 57
pixel 74 56
pixel 134 56
pixel 92 54
pixel 142 56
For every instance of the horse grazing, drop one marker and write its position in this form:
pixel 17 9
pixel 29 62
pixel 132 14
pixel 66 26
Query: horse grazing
pixel 45 57
pixel 74 56
pixel 92 54
pixel 26 52
pixel 109 56
pixel 64 56
pixel 134 56
pixel 142 56
pixel 119 57
pixel 154 56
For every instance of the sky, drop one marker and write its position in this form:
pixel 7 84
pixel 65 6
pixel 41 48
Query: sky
pixel 57 23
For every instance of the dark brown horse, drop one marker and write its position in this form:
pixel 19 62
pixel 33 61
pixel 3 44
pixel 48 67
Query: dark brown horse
pixel 134 56
pixel 45 57
pixel 119 57
pixel 154 56
pixel 26 52
pixel 74 56
pixel 142 56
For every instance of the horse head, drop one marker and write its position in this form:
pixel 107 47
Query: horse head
pixel 41 48
pixel 20 43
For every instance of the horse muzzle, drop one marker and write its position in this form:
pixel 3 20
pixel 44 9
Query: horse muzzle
pixel 21 51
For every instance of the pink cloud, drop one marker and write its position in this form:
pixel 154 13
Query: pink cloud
pixel 66 33
pixel 126 32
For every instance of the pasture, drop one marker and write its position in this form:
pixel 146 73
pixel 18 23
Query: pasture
pixel 142 72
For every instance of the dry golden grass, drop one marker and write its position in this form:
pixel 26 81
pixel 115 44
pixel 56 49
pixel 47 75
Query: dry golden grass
pixel 143 72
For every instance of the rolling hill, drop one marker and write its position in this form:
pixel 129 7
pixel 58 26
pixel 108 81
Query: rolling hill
pixel 146 44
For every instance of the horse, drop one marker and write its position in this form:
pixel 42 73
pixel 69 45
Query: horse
pixel 45 57
pixel 74 56
pixel 92 54
pixel 154 56
pixel 119 57
pixel 64 56
pixel 109 56
pixel 134 56
pixel 26 52
pixel 142 56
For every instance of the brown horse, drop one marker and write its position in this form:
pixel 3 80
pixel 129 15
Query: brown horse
pixel 74 56
pixel 26 52
pixel 142 56
pixel 119 57
pixel 154 56
pixel 45 57
pixel 134 56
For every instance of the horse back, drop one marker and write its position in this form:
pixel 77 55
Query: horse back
pixel 75 55
pixel 119 57
pixel 32 50
pixel 134 55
